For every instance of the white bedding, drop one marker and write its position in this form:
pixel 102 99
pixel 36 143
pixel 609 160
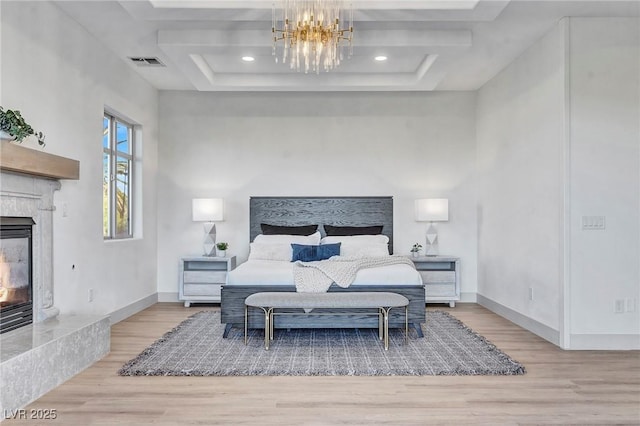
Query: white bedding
pixel 273 272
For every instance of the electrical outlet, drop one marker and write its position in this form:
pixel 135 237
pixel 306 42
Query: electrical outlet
pixel 90 295
pixel 630 305
pixel 530 293
pixel 618 307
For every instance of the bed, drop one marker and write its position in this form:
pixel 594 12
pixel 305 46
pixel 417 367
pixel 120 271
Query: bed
pixel 267 273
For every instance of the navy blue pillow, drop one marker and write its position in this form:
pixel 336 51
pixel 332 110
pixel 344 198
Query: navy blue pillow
pixel 326 251
pixel 341 231
pixel 304 253
pixel 307 253
pixel 288 230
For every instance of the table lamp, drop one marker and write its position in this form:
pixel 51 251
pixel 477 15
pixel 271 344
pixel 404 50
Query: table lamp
pixel 432 210
pixel 208 210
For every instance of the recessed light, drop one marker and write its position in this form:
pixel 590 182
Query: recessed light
pixel 380 58
pixel 248 58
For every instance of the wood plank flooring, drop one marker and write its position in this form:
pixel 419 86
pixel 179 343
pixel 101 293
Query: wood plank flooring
pixel 560 387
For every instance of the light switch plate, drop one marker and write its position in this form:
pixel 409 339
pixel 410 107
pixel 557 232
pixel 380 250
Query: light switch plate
pixel 593 223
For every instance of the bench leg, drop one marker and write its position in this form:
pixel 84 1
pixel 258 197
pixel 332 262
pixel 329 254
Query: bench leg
pixel 386 328
pixel 271 317
pixel 385 312
pixel 380 320
pixel 267 326
pixel 268 331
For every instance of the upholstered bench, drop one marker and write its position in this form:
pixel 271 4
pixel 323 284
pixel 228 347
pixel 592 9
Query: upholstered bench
pixel 382 301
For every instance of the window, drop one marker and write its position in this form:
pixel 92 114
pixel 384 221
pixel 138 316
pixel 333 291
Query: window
pixel 117 175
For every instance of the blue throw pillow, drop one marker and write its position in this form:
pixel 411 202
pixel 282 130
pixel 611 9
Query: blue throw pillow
pixel 307 253
pixel 325 251
pixel 304 253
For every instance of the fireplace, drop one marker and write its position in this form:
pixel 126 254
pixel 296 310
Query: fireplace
pixel 16 272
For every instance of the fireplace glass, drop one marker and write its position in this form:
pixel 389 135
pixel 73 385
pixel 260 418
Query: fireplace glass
pixel 16 273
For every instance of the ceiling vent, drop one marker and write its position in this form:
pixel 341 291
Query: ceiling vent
pixel 147 62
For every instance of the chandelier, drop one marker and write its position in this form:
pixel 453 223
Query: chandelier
pixel 311 34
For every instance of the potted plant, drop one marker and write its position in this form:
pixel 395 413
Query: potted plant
pixel 12 123
pixel 221 249
pixel 415 250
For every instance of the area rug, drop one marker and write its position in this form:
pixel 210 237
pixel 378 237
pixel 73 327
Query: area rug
pixel 196 348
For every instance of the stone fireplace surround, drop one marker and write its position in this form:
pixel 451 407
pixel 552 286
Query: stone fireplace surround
pixel 38 357
pixel 29 196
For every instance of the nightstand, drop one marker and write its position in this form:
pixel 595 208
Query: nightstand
pixel 441 278
pixel 201 278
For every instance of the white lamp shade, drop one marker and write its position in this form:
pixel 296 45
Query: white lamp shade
pixel 207 209
pixel 432 210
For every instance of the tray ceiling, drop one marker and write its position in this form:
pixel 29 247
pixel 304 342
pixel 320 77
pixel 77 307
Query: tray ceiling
pixel 430 45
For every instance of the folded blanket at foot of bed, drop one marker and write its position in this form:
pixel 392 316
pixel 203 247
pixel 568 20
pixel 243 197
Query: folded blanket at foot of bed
pixel 317 277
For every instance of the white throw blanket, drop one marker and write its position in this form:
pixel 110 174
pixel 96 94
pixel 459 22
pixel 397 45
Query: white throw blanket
pixel 317 277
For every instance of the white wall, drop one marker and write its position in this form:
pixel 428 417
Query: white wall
pixel 61 79
pixel 605 178
pixel 323 144
pixel 558 139
pixel 520 145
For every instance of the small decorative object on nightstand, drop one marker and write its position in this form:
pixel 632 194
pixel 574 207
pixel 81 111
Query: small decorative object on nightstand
pixel 202 277
pixel 221 249
pixel 441 278
pixel 415 250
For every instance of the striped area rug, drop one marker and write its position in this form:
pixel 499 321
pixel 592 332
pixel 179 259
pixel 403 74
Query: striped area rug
pixel 196 348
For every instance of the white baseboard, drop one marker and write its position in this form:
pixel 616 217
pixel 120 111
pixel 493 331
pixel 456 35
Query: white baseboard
pixel 133 308
pixel 605 341
pixel 523 321
pixel 168 297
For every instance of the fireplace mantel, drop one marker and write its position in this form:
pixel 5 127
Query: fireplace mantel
pixel 18 159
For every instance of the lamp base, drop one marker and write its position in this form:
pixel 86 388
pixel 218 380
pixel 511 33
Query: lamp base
pixel 431 247
pixel 209 241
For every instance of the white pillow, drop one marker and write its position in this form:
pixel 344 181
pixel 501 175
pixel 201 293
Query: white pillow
pixel 268 251
pixel 350 249
pixel 313 239
pixel 357 239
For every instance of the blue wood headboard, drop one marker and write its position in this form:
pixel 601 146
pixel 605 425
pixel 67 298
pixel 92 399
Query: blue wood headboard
pixel 342 211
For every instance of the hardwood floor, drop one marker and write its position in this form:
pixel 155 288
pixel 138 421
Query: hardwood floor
pixel 560 387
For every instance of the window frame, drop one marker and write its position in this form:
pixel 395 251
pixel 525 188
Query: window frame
pixel 113 154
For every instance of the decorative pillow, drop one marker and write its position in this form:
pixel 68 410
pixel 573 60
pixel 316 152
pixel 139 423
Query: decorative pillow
pixel 364 250
pixel 267 251
pixel 356 239
pixel 332 231
pixel 314 252
pixel 288 230
pixel 288 239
